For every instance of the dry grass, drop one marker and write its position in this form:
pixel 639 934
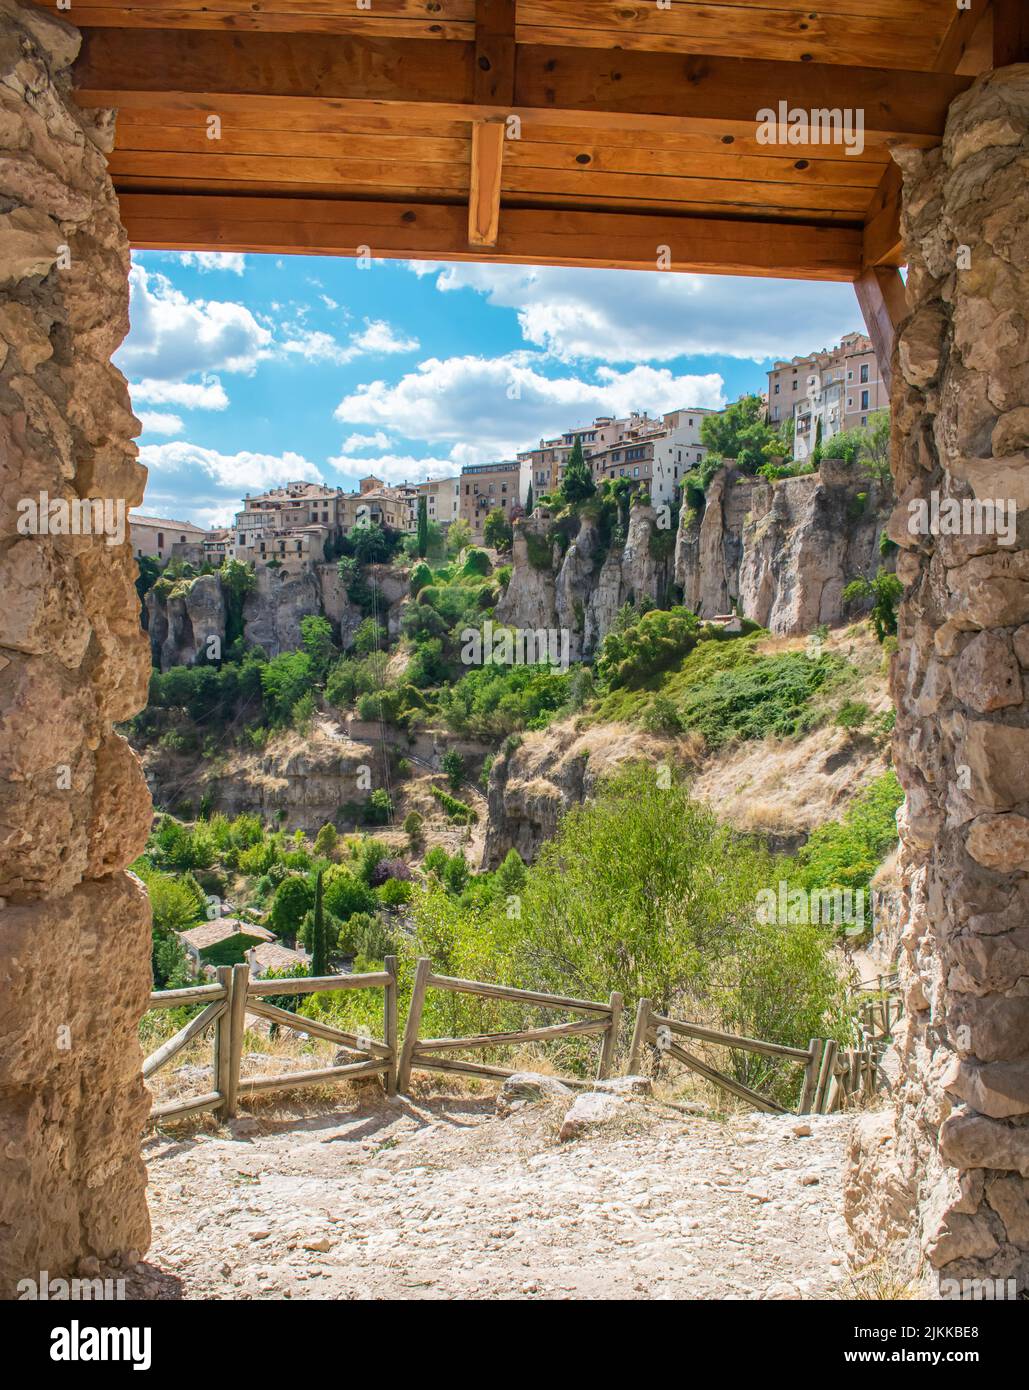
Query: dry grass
pixel 877 1282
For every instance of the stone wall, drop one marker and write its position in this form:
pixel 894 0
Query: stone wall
pixel 942 1188
pixel 74 809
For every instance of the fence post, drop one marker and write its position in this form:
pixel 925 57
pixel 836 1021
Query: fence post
pixel 607 1049
pixel 222 1046
pixel 414 1022
pixel 825 1077
pixel 237 1025
pixel 639 1035
pixel 389 1024
pixel 814 1057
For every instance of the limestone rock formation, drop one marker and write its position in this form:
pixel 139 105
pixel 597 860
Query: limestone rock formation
pixel 532 785
pixel 783 551
pixel 947 1179
pixel 74 927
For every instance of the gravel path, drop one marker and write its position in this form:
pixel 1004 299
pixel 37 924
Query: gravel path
pixel 441 1198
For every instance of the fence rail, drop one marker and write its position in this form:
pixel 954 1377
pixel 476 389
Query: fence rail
pixel 831 1077
pixel 417 1053
pixel 227 1005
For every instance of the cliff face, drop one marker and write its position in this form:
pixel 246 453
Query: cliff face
pixel 181 624
pixel 783 551
pixel 583 590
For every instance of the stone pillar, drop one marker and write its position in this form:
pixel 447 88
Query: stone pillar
pixel 942 1189
pixel 74 809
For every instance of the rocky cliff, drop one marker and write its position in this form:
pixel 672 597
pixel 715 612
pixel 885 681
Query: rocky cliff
pixel 783 551
pixel 182 622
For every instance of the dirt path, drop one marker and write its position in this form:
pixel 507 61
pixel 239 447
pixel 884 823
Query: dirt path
pixel 442 1199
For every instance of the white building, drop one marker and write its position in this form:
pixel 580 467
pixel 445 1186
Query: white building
pixel 822 405
pixel 151 535
pixel 677 450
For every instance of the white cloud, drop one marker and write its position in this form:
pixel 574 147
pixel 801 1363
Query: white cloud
pixel 206 394
pixel 380 336
pixel 172 336
pixel 491 407
pixel 194 483
pixel 649 316
pixel 316 346
pixel 215 260
pixel 159 422
pixel 356 443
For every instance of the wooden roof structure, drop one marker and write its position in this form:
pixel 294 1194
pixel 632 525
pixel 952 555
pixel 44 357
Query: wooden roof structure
pixel 383 127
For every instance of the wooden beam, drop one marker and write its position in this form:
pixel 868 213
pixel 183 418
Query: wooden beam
pixel 883 244
pixel 430 231
pixel 495 53
pixel 589 87
pixel 957 41
pixel 1010 32
pixel 484 189
pixel 883 299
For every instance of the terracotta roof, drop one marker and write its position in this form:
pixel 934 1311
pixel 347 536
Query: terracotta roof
pixel 210 933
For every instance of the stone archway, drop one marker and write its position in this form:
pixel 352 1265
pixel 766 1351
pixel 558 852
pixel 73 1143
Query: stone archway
pixel 949 1175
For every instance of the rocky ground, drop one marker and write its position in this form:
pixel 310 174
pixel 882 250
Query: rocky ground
pixel 442 1198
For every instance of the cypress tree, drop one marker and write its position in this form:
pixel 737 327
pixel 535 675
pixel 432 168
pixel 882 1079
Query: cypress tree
pixel 319 944
pixel 423 527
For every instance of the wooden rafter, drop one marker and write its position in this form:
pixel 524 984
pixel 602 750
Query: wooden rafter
pixel 431 231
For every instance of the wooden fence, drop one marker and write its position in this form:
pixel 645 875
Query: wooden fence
pixel 227 1004
pixel 417 1053
pixel 831 1078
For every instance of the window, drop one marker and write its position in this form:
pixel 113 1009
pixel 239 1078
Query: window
pixel 160 540
pixel 864 419
pixel 864 400
pixel 776 392
pixel 850 376
pixel 775 412
pixel 635 472
pixel 794 386
pixel 864 371
pixel 241 541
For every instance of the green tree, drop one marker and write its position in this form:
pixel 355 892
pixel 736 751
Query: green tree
pixel 369 637
pixel 326 842
pixel 497 530
pixel 885 591
pixel 877 447
pixel 528 501
pixel 370 544
pixel 423 526
pixel 345 893
pixel 510 877
pixel 292 900
pixel 319 942
pixel 577 484
pixel 453 766
pixel 739 432
pixel 459 534
pixel 316 640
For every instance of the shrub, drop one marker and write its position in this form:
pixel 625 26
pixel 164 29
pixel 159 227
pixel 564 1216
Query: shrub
pixel 458 811
pixel 413 826
pixel 420 576
pixel 847 852
pixel 326 842
pixel 852 714
pixel 655 642
pixel 386 868
pixel 761 696
pixel 345 893
pixel 453 766
pixel 394 892
pixel 378 808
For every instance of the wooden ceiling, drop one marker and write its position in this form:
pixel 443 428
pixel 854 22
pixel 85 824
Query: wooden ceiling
pixel 382 124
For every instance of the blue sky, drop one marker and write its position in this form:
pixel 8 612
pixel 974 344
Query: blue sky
pixel 246 371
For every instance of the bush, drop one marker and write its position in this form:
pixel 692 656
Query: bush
pixel 344 893
pixel 654 643
pixel 458 811
pixel 453 766
pixel 413 826
pixel 765 695
pixel 395 892
pixel 852 714
pixel 378 808
pixel 326 842
pixel 847 852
